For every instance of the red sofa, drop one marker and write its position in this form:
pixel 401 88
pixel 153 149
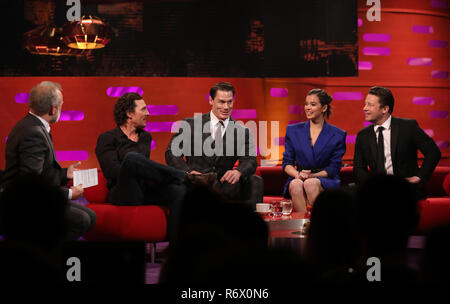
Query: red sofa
pixel 149 222
pixel 434 211
pixel 117 223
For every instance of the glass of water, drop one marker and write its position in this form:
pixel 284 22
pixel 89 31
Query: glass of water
pixel 286 207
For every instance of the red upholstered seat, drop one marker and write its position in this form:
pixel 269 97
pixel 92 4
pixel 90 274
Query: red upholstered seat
pixel 146 222
pixel 434 212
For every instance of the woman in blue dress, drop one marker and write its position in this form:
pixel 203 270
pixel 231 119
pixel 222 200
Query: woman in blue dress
pixel 313 152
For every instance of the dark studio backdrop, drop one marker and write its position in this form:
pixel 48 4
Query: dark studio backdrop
pixel 195 38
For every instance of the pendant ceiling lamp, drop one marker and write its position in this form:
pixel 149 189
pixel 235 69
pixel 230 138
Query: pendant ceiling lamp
pixel 47 40
pixel 86 34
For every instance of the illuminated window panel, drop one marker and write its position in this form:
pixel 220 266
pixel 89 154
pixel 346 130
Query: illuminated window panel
pixel 71 116
pixel 377 37
pixel 279 92
pixel 438 43
pixel 422 29
pixel 442 144
pixel 420 61
pixel 71 155
pixel 119 91
pixel 430 132
pixel 439 4
pixel 376 51
pixel 350 139
pixel 347 96
pixel 439 114
pixel 243 113
pixel 295 109
pixel 160 126
pixel 365 65
pixel 162 109
pixel 21 98
pixel 439 74
pixel 429 101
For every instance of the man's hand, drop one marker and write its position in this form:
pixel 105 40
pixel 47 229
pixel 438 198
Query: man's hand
pixel 413 179
pixel 195 172
pixel 72 168
pixel 77 191
pixel 231 176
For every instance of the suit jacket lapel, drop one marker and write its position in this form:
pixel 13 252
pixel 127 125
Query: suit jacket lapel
pixel 323 138
pixel 307 149
pixel 394 138
pixel 40 127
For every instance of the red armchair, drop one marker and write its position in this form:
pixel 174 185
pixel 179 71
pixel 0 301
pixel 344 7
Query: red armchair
pixel 145 223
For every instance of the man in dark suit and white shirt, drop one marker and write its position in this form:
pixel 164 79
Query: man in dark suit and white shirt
pixel 218 131
pixel 390 144
pixel 29 149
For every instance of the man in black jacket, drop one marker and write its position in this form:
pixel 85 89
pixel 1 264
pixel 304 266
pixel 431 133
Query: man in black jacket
pixel 390 144
pixel 29 149
pixel 124 157
pixel 212 143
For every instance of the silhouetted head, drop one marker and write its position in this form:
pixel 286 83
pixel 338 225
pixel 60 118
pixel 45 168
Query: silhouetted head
pixel 387 211
pixel 33 211
pixel 214 236
pixel 332 241
pixel 436 264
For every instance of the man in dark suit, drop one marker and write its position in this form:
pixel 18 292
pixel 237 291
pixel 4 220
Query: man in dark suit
pixel 29 149
pixel 390 144
pixel 212 143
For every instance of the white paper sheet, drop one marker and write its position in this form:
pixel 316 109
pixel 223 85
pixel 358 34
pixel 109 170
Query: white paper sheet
pixel 87 178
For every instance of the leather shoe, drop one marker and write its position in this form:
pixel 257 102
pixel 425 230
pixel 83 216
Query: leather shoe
pixel 206 178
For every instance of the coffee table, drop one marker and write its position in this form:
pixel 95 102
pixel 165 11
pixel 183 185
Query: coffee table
pixel 285 231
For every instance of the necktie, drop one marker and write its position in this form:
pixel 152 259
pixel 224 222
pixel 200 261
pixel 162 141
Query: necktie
pixel 218 136
pixel 50 134
pixel 380 152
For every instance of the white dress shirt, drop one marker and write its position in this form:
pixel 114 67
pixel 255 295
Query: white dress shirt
pixel 215 124
pixel 387 144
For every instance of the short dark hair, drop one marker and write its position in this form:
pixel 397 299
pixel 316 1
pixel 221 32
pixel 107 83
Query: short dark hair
pixel 125 104
pixel 324 99
pixel 385 96
pixel 222 86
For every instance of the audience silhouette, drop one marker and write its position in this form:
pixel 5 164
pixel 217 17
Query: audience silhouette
pixel 387 214
pixel 333 244
pixel 34 225
pixel 436 263
pixel 222 243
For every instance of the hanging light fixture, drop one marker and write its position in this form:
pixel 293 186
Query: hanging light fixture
pixel 87 33
pixel 47 40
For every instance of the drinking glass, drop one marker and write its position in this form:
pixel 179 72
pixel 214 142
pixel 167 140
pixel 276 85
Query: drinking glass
pixel 277 209
pixel 286 207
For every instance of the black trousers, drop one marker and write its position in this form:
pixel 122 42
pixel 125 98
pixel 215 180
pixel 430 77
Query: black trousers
pixel 249 191
pixel 80 220
pixel 145 182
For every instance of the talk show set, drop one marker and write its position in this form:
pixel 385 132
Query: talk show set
pixel 223 149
